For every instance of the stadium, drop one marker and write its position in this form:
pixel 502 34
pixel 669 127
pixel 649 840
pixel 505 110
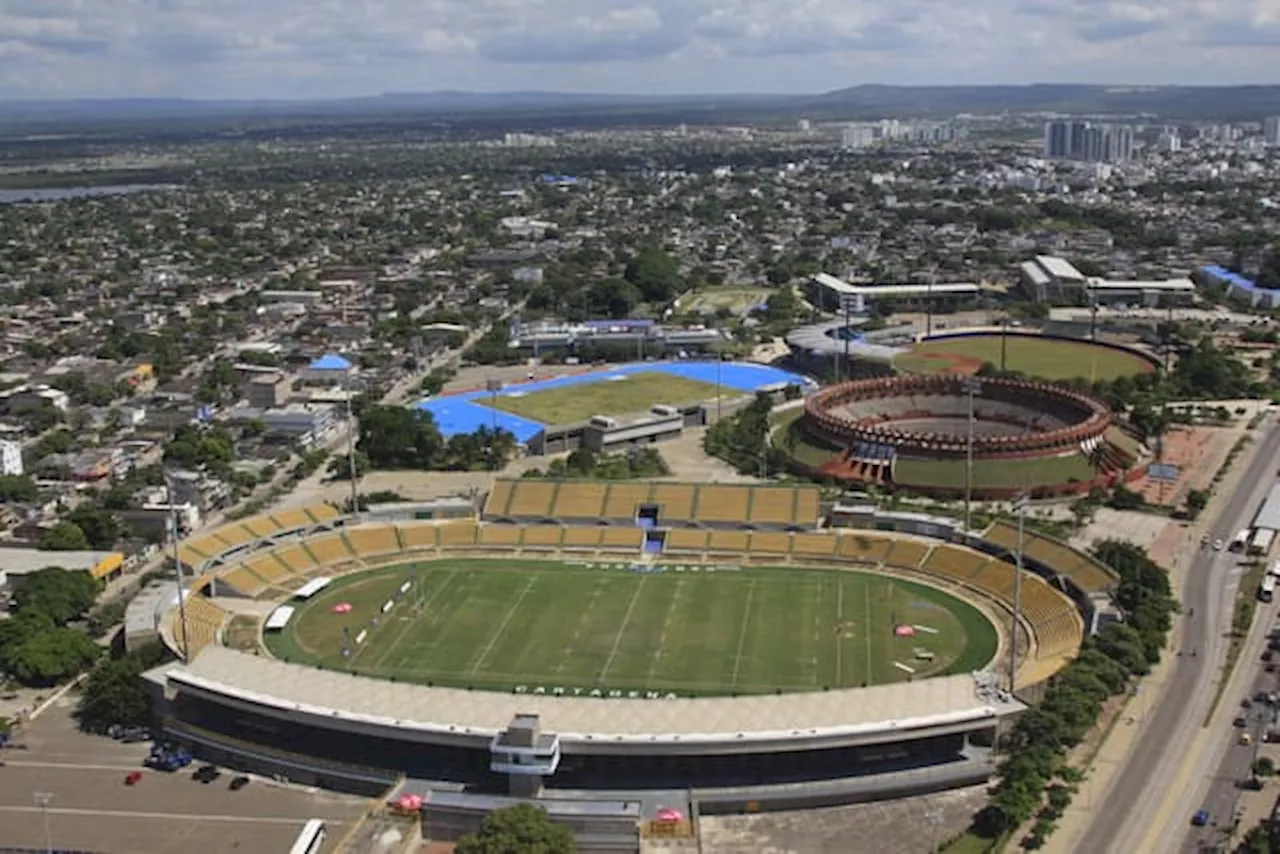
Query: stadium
pixel 613 407
pixel 743 647
pixel 914 431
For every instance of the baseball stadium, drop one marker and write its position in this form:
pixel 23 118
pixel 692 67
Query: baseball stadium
pixel 742 646
pixel 907 423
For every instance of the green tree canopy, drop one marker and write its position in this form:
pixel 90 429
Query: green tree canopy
pixel 48 656
pixel 114 692
pixel 655 274
pixel 63 537
pixel 100 526
pixel 17 487
pixel 59 594
pixel 521 829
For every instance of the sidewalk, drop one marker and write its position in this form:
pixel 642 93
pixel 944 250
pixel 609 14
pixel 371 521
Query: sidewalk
pixel 1114 752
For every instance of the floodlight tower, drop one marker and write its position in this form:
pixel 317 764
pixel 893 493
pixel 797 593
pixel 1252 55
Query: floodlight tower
pixel 1020 506
pixel 971 386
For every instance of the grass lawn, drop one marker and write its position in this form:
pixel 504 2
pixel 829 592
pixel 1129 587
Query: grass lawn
pixel 915 471
pixel 627 394
pixel 1047 358
pixel 739 301
pixel 790 438
pixel 500 624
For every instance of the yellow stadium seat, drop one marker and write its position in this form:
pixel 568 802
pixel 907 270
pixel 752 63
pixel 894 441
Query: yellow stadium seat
pixel 579 501
pixel 418 536
pixel 498 499
pixel 542 536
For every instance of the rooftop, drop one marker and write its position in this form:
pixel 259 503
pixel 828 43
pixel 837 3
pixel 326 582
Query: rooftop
pixel 334 694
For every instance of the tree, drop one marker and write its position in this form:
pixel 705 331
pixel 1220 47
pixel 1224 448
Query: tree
pixel 114 693
pixel 16 488
pixel 59 594
pixel 655 274
pixel 1197 501
pixel 100 527
pixel 521 829
pixel 63 537
pixel 48 657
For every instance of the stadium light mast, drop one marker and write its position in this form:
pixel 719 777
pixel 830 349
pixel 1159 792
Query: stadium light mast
pixel 351 451
pixel 847 333
pixel 42 800
pixel 1020 505
pixel 971 386
pixel 177 566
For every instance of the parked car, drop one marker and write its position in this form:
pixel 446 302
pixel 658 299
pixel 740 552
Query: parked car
pixel 1200 819
pixel 238 782
pixel 132 778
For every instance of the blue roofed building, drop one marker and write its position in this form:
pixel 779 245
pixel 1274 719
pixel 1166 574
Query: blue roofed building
pixel 330 368
pixel 1241 288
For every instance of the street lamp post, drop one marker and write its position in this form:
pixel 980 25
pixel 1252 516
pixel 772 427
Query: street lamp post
pixel 971 386
pixel 42 800
pixel 177 566
pixel 1020 506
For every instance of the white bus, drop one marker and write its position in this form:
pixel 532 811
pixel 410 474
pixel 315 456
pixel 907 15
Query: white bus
pixel 1268 588
pixel 310 839
pixel 1240 541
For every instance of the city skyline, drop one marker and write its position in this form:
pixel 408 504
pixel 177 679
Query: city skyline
pixel 292 49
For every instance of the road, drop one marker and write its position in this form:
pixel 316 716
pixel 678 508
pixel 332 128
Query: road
pixel 1141 789
pixel 1223 791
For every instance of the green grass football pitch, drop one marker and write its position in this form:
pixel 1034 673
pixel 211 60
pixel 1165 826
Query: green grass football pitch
pixel 1046 358
pixel 501 624
pixel 623 395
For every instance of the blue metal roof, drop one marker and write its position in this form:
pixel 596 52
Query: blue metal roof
pixel 330 362
pixel 1232 278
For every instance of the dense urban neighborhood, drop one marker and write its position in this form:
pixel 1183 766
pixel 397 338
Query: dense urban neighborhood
pixel 783 485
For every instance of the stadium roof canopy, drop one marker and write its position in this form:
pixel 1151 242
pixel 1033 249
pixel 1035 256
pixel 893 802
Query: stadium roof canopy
pixel 341 696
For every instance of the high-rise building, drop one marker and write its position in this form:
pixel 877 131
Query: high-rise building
pixel 858 136
pixel 1093 143
pixel 10 457
pixel 1271 131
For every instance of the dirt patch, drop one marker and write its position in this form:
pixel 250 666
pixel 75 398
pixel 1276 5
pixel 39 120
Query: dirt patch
pixel 1198 452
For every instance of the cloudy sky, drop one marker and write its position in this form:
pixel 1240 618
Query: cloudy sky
pixel 335 48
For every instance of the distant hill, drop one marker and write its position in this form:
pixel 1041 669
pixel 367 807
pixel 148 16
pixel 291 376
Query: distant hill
pixel 866 101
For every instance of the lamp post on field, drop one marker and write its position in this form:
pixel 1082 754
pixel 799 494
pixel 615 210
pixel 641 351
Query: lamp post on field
pixel 42 800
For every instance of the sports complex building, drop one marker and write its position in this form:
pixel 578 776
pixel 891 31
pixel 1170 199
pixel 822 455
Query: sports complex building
pixel 908 709
pixel 639 402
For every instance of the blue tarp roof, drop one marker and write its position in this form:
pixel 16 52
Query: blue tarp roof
pixel 330 362
pixel 466 412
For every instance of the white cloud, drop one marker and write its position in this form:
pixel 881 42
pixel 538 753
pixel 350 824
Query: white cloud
pixel 241 48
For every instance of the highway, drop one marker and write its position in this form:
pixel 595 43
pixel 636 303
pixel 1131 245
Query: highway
pixel 1236 759
pixel 1141 789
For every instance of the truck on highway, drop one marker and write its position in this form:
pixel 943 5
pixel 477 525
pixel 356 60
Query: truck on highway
pixel 1240 540
pixel 1263 539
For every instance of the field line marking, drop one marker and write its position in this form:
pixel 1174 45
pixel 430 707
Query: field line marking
pixel 866 599
pixel 369 643
pixel 742 633
pixel 502 627
pixel 622 630
pixel 839 680
pixel 410 623
pixel 666 624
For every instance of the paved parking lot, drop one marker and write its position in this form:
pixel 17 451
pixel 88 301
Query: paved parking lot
pixel 91 809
